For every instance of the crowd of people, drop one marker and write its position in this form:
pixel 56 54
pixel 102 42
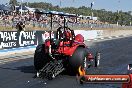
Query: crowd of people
pixel 20 21
pixel 38 20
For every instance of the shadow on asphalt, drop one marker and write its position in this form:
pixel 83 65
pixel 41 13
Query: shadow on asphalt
pixel 30 69
pixel 27 69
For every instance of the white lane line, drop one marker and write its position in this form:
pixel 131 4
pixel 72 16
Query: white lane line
pixel 124 35
pixel 116 36
pixel 95 39
pixel 110 37
pixel 102 38
pixel 88 40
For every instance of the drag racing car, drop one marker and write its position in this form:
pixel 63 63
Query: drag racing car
pixel 65 52
pixel 129 71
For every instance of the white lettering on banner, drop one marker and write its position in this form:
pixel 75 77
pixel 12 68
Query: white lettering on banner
pixel 9 44
pixel 7 36
pixel 27 42
pixel 46 35
pixel 26 35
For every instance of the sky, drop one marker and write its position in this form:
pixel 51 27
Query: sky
pixel 110 5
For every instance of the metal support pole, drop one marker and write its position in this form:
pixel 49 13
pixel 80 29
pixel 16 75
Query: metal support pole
pixel 21 6
pixel 60 3
pixel 92 13
pixel 117 23
pixel 51 21
pixel 118 12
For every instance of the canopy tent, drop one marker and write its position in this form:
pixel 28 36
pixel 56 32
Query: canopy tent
pixel 60 14
pixel 21 7
pixel 5 8
pixel 39 11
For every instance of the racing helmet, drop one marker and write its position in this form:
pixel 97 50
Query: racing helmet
pixel 68 34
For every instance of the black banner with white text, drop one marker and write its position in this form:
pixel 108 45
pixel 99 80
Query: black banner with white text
pixel 15 39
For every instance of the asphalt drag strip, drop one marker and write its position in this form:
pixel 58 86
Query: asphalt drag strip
pixel 115 56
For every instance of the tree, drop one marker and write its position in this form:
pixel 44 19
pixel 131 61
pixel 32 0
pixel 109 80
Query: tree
pixel 13 2
pixel 104 15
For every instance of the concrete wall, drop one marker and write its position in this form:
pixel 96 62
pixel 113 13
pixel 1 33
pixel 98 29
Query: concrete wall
pixel 92 34
pixel 107 33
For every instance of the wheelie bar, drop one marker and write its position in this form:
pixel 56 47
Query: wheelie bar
pixel 52 69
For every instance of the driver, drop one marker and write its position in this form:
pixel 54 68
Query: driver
pixel 67 34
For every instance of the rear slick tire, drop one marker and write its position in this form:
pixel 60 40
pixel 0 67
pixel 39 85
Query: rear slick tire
pixel 78 59
pixel 40 58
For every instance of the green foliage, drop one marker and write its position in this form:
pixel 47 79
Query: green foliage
pixel 13 2
pixel 124 18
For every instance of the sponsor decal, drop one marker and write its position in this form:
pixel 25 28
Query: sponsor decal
pixel 46 35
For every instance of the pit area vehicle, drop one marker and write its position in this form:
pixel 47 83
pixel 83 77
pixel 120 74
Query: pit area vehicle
pixel 65 52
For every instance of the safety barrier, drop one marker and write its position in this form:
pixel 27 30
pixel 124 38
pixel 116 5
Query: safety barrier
pixel 15 39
